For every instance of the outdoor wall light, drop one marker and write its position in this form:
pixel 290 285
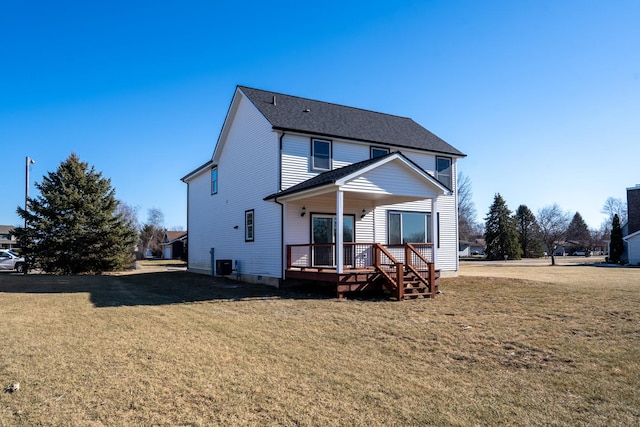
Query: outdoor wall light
pixel 363 214
pixel 303 211
pixel 235 227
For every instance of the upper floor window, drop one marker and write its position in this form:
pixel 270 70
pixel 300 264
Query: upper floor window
pixel 443 171
pixel 214 180
pixel 320 154
pixel 378 152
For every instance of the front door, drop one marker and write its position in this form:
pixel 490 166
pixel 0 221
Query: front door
pixel 324 235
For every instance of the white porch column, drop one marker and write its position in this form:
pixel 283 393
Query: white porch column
pixel 283 233
pixel 339 231
pixel 434 229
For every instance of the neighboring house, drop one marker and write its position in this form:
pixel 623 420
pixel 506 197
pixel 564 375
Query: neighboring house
pixel 631 233
pixel 632 243
pixel 297 188
pixel 7 239
pixel 467 249
pixel 562 249
pixel 173 244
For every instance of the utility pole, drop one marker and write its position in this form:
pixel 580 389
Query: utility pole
pixel 30 161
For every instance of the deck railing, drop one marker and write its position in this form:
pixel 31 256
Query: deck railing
pixel 390 261
pixel 359 255
pixel 322 256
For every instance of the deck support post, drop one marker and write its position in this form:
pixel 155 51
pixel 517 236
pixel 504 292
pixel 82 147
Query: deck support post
pixel 339 232
pixel 400 280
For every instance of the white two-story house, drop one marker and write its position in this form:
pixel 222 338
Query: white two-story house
pixel 302 189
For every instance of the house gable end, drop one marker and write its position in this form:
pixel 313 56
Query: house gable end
pixel 394 176
pixel 238 98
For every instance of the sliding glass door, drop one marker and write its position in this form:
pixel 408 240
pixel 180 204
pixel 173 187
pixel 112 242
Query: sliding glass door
pixel 323 232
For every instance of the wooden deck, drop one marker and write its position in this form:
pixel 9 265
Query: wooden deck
pixel 369 266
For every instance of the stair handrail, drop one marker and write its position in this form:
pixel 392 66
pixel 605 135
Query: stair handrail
pixel 430 282
pixel 418 254
pixel 395 284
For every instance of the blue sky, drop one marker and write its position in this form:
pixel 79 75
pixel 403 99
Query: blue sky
pixel 543 96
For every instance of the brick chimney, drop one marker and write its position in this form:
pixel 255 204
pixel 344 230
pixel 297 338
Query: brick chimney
pixel 633 208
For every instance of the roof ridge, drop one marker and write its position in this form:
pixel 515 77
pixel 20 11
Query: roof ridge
pixel 327 102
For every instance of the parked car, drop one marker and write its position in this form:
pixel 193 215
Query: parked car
pixel 10 260
pixel 582 253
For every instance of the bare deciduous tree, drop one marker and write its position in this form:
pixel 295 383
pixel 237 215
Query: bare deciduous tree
pixel 553 223
pixel 614 206
pixel 129 213
pixel 152 231
pixel 468 226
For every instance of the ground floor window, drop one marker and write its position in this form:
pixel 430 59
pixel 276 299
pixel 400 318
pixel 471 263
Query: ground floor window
pixel 409 227
pixel 249 226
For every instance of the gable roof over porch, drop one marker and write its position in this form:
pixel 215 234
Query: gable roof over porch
pixel 368 177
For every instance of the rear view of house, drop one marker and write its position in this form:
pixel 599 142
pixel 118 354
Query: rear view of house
pixel 301 187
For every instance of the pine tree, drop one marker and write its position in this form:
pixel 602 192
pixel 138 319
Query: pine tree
pixel 578 233
pixel 501 234
pixel 617 245
pixel 72 227
pixel 528 233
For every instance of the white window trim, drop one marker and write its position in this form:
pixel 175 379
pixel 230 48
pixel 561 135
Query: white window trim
pixel 215 168
pixel 249 229
pixel 449 176
pixel 313 157
pixel 387 151
pixel 428 225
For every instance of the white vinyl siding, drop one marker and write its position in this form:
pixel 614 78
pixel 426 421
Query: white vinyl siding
pixel 247 166
pixel 296 167
pixel 251 156
pixel 633 249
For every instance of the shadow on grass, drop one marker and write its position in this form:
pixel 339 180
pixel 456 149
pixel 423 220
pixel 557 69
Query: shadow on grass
pixel 159 288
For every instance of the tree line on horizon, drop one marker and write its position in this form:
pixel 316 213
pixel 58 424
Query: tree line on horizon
pixel 521 234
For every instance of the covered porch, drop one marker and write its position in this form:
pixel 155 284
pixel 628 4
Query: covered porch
pixel 403 271
pixel 345 227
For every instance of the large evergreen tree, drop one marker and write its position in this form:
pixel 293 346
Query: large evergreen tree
pixel 501 234
pixel 73 226
pixel 528 233
pixel 617 244
pixel 578 233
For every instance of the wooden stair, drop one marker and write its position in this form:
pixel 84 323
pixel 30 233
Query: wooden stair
pixel 415 287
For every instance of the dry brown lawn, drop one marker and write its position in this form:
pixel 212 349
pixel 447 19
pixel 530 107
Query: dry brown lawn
pixel 503 344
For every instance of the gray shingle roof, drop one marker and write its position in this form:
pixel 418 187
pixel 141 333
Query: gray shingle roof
pixel 292 113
